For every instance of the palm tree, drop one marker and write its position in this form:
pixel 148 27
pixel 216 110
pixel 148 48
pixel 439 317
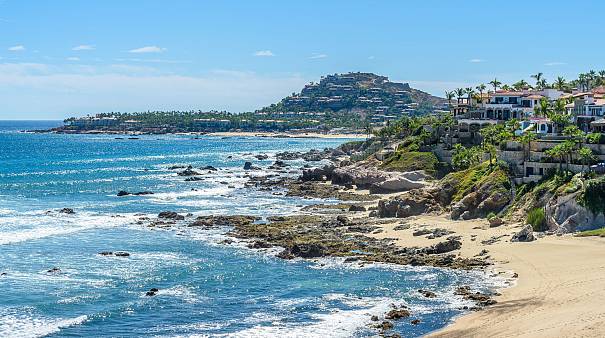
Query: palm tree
pixel 560 84
pixel 506 87
pixel 481 89
pixel 538 77
pixel 449 96
pixel 495 83
pixel 459 93
pixel 586 156
pixel 526 139
pixel 470 93
pixel 520 85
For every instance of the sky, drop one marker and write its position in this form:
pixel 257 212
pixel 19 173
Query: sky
pixel 66 58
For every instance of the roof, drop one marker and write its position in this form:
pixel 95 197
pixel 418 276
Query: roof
pixel 534 96
pixel 599 122
pixel 506 93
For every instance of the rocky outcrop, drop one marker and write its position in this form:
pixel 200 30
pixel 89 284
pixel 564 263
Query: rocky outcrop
pixel 140 193
pixel 318 174
pixel 217 221
pixel 564 214
pixel 68 211
pixel 171 215
pixel 410 203
pixel 480 203
pixel 366 175
pixel 188 172
pixel 525 235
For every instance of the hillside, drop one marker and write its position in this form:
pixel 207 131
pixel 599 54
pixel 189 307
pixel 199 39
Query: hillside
pixel 364 93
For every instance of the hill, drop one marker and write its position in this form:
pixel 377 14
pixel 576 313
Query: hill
pixel 367 94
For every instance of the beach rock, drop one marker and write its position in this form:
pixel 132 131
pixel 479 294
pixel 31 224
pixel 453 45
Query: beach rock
pixel 385 326
pixel 495 222
pixel 410 203
pixel 259 245
pixel 261 157
pixel 218 221
pixel 318 174
pixel 374 318
pixel 443 247
pixel 427 293
pixel 171 215
pixel 209 168
pixel 68 211
pixel 355 207
pixel 307 250
pixel 564 215
pixel 248 166
pixel 189 172
pixel 525 235
pixel 397 314
pixel 415 322
pixel 365 174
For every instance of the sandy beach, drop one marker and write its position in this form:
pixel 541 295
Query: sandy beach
pixel 558 292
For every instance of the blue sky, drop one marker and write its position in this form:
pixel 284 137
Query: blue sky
pixel 61 58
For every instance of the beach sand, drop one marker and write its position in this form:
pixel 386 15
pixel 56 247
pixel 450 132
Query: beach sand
pixel 559 290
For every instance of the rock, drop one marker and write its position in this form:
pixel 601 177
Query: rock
pixel 443 247
pixel 415 322
pixel 495 222
pixel 318 174
pixel 525 235
pixel 342 219
pixel 150 293
pixel 374 318
pixel 171 215
pixel 193 179
pixel 105 253
pixel 386 325
pixel 307 250
pixel 427 293
pixel 397 314
pixel 410 203
pixel 355 207
pixel 259 245
pixel 154 290
pixel 123 193
pixel 261 157
pixel 188 172
pixel 218 221
pixel 209 168
pixel 4 274
pixel 68 211
pixel 54 270
pixel 175 167
pixel 248 166
pixel 121 254
pixel 421 232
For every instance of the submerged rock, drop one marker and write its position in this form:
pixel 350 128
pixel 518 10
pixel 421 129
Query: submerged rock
pixel 170 215
pixel 68 211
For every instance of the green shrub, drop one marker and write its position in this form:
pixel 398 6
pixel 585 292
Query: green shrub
pixel 491 215
pixel 412 160
pixel 537 219
pixel 593 196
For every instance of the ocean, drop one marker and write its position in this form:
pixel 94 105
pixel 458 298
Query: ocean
pixel 205 288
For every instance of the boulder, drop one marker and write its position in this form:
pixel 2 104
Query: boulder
pixel 209 168
pixel 248 166
pixel 171 215
pixel 525 235
pixel 495 222
pixel 355 207
pixel 318 174
pixel 188 172
pixel 68 211
pixel 427 293
pixel 443 247
pixel 307 250
pixel 123 193
pixel 261 157
pixel 397 314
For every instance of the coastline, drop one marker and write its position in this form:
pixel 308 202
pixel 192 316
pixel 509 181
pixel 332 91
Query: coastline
pixel 284 135
pixel 558 292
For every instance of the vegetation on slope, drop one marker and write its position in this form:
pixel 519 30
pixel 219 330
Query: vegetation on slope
pixel 462 183
pixel 593 196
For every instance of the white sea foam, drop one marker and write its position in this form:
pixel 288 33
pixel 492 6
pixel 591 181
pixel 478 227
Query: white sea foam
pixel 18 326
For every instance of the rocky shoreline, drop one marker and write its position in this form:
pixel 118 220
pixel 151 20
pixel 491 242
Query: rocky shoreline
pixel 347 229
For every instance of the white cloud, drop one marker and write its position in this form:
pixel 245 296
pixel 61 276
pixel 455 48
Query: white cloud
pixel 476 60
pixel 73 58
pixel 555 63
pixel 147 49
pixel 17 48
pixel 26 89
pixel 264 53
pixel 83 47
pixel 318 56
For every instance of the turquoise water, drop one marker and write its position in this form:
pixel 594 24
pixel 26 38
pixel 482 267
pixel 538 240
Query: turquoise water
pixel 206 289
